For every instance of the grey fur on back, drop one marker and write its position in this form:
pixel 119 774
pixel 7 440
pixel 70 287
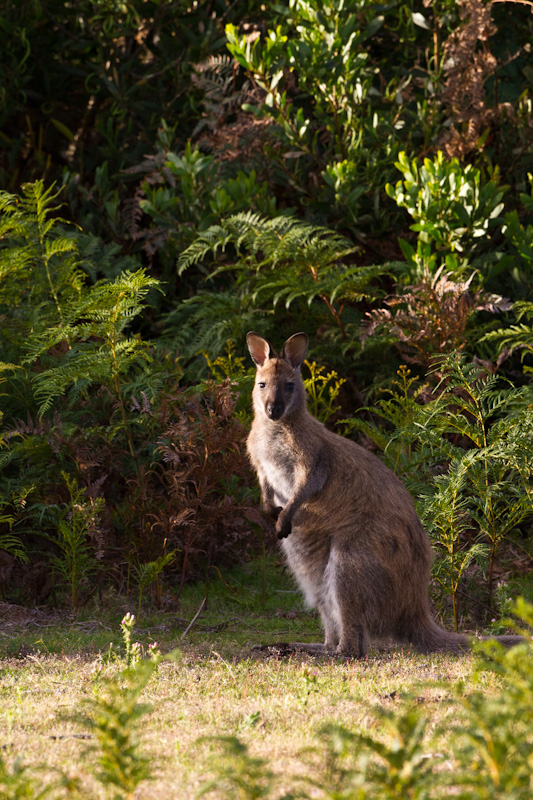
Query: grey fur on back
pixel 348 526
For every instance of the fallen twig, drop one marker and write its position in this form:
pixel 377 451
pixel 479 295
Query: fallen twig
pixel 193 620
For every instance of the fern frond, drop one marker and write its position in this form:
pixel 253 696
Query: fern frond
pixel 38 200
pixel 208 243
pixel 283 259
pixel 208 320
pixel 278 240
pixel 39 272
pixel 13 545
pixel 5 367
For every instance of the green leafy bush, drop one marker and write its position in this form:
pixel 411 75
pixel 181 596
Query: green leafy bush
pixel 104 424
pixel 453 211
pixel 337 112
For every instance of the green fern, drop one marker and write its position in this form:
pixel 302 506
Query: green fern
pixel 468 456
pixel 99 349
pixel 493 424
pixel 54 316
pixel 389 761
pixel 9 542
pixel 65 339
pixel 447 516
pixel 150 572
pixel 405 451
pixel 114 716
pixel 74 562
pixel 206 322
pixel 39 271
pixel 518 336
pixel 284 260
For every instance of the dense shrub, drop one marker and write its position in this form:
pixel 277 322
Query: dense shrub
pixel 104 453
pixel 356 170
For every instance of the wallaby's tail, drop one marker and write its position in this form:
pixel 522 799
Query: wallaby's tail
pixel 508 640
pixel 430 638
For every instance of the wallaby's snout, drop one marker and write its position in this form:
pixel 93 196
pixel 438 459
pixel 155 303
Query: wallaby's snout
pixel 275 409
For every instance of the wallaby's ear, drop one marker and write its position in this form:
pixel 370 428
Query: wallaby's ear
pixel 259 348
pixel 295 350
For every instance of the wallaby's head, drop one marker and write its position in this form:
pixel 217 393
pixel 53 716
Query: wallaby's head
pixel 279 391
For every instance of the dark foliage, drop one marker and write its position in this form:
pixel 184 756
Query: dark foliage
pixel 356 170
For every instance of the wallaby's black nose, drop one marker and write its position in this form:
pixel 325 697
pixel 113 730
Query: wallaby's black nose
pixel 275 409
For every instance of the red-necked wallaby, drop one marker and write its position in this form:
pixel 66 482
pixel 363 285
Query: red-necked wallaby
pixel 348 526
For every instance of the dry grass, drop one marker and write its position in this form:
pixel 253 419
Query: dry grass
pixel 218 686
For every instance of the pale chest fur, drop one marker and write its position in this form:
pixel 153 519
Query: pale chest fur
pixel 276 461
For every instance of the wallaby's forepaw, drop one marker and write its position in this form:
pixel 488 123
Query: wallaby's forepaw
pixel 283 527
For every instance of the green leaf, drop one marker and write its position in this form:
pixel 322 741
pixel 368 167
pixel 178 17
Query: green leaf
pixel 62 128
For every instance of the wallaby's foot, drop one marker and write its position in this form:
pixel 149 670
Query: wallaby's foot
pixel 314 648
pixel 348 653
pixel 287 648
pixel 355 646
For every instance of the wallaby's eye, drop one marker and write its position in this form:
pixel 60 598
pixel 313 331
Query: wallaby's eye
pixel 289 387
pixel 261 384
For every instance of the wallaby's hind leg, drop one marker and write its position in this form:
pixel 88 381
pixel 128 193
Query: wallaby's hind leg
pixel 354 641
pixel 328 606
pixel 341 598
pixel 331 628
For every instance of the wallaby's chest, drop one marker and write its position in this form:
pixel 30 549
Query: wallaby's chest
pixel 278 460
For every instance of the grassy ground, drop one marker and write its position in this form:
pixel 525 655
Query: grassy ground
pixel 219 686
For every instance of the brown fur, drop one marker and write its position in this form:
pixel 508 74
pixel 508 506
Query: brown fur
pixel 348 526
